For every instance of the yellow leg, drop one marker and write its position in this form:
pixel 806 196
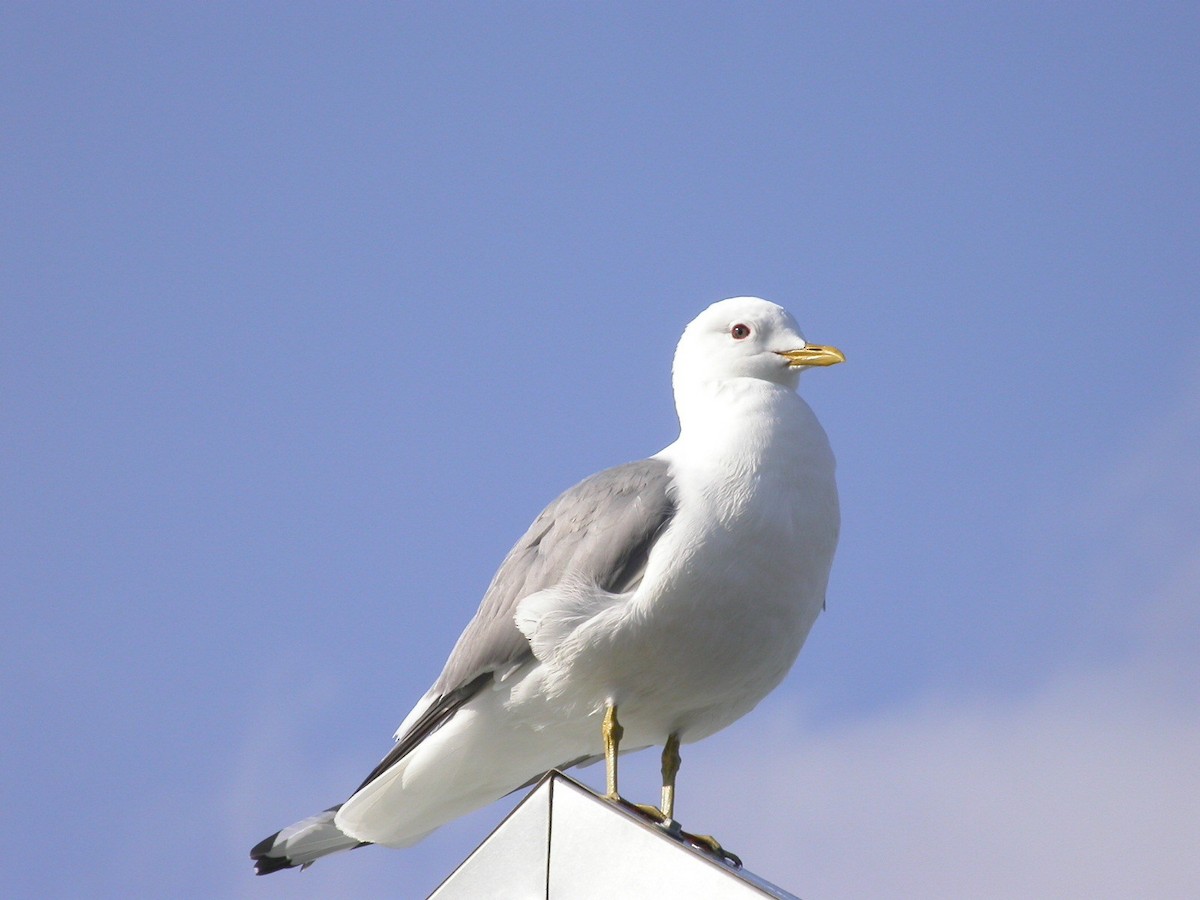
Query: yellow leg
pixel 671 761
pixel 670 768
pixel 611 731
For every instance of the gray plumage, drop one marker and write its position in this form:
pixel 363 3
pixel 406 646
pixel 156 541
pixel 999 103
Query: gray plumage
pixel 600 531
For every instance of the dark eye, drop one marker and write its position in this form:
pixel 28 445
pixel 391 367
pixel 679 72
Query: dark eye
pixel 740 332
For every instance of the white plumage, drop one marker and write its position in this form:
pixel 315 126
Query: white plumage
pixel 680 589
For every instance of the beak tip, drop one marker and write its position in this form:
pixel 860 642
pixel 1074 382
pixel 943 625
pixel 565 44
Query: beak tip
pixel 813 355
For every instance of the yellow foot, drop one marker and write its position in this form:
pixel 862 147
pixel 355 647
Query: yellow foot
pixel 653 813
pixel 705 842
pixel 709 844
pixel 642 809
pixel 650 812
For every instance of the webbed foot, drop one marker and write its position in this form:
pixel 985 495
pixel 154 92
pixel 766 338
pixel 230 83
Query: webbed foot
pixel 711 845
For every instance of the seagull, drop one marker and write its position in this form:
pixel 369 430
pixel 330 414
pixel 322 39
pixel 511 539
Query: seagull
pixel 652 604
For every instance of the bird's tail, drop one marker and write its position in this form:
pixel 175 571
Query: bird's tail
pixel 302 843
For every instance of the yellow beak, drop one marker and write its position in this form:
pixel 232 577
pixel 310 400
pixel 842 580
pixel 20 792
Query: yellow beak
pixel 812 355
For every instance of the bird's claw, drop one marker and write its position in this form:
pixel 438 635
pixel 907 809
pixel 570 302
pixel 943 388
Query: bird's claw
pixel 662 820
pixel 705 842
pixel 709 844
pixel 646 811
pixel 650 812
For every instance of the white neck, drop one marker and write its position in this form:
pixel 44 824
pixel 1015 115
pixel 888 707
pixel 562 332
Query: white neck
pixel 742 417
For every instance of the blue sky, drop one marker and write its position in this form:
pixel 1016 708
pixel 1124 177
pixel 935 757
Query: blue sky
pixel 308 309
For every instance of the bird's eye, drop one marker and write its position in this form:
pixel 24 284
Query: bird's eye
pixel 740 332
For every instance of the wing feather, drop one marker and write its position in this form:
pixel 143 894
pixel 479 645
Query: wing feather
pixel 600 531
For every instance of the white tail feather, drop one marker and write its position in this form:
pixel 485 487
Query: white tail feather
pixel 302 843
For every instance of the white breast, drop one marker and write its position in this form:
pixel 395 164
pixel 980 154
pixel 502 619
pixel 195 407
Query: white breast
pixel 737 580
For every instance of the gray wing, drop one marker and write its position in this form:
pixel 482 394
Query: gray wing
pixel 601 530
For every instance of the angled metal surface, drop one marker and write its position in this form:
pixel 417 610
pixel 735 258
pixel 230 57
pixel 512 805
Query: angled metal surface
pixel 565 843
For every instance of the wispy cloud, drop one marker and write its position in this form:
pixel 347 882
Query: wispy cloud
pixel 1088 787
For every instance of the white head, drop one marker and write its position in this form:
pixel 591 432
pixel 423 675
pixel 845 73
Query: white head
pixel 746 337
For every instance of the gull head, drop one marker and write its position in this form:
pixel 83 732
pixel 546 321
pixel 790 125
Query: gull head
pixel 747 337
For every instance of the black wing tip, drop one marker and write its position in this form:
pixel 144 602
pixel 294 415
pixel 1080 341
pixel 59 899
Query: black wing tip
pixel 264 864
